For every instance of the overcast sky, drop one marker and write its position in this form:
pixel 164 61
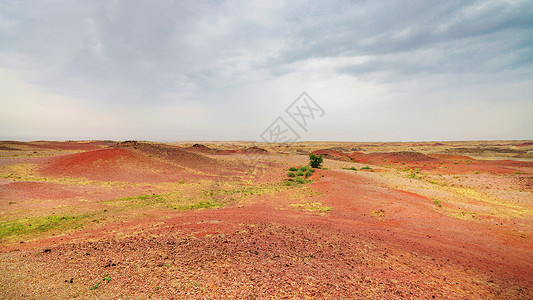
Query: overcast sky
pixel 209 70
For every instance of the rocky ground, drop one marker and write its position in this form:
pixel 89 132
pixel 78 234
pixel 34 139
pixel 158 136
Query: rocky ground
pixel 221 220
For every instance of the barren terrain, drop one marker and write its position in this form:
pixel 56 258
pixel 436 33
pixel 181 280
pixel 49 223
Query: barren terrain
pixel 137 220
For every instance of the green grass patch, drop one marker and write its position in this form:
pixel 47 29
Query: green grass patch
pixel 140 201
pixel 198 205
pixel 350 168
pixel 38 225
pixel 296 181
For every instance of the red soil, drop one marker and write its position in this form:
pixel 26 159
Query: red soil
pixel 408 250
pixel 332 154
pixel 376 242
pixel 390 157
pixel 440 163
pixel 33 190
pixel 451 157
pixel 202 148
pixel 254 149
pixel 524 144
pixel 114 164
pixel 191 160
pixel 51 145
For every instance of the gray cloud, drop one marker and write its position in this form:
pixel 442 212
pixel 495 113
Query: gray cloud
pixel 227 58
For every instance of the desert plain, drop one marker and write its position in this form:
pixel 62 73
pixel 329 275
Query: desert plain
pixel 219 220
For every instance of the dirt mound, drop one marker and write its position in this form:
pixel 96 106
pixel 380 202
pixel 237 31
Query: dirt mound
pixel 6 148
pixel 427 144
pixel 202 149
pixel 390 157
pixel 450 157
pixel 402 156
pixel 332 154
pixel 524 144
pixel 358 157
pixel 127 144
pixel 71 145
pixel 482 150
pixel 52 145
pixel 340 149
pixel 188 159
pixel 113 164
pixel 254 149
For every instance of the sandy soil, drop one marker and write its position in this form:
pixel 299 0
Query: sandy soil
pixel 219 220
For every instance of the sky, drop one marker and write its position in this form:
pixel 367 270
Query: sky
pixel 226 70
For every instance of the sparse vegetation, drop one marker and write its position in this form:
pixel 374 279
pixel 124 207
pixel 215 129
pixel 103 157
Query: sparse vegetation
pixel 315 161
pixel 299 177
pixel 312 207
pixel 413 175
pixel 300 180
pixel 198 205
pixel 379 214
pixel 37 225
pixel 105 280
pixel 306 168
pixel 147 227
pixel 95 286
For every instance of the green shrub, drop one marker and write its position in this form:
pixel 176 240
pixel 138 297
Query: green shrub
pixel 315 161
pixel 293 169
pixel 366 168
pixel 305 168
pixel 413 176
pixel 300 173
pixel 300 180
pixel 308 173
pixel 291 174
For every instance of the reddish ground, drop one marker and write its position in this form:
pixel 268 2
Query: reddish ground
pixel 347 234
pixel 439 163
pixel 332 154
